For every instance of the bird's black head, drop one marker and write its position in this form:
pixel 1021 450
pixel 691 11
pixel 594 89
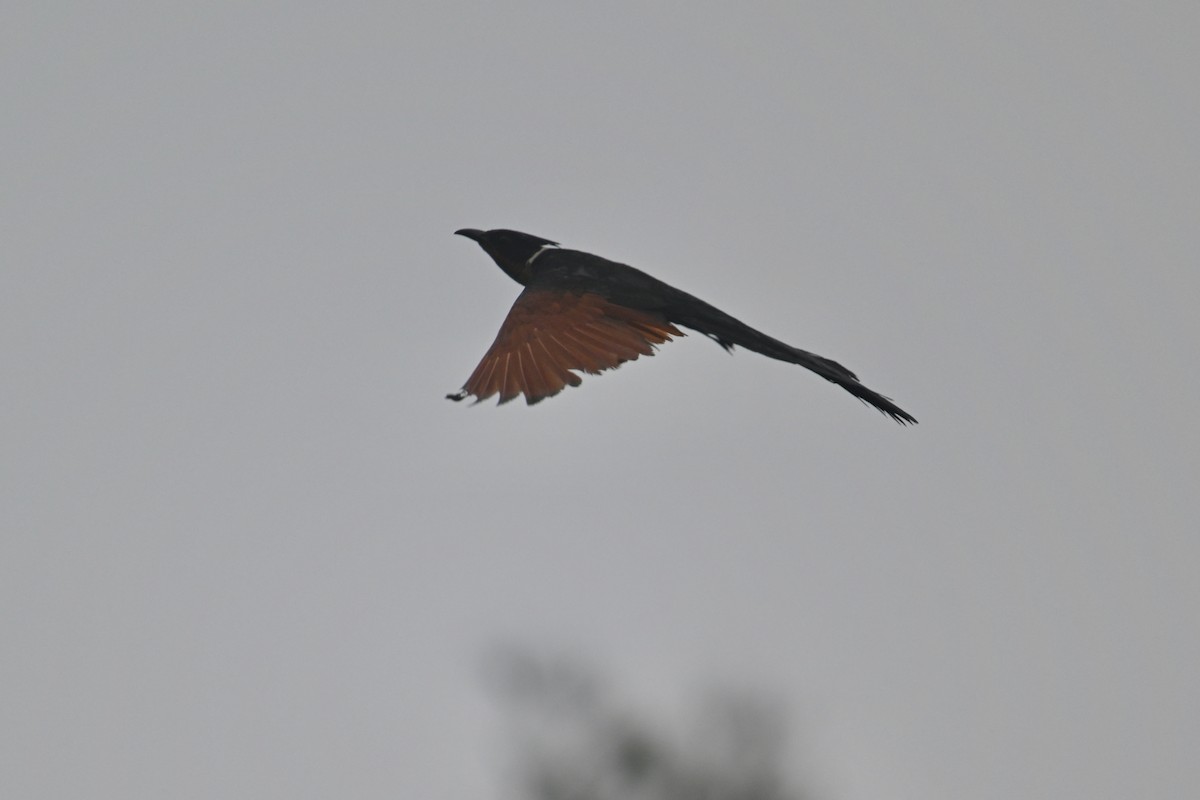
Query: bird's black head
pixel 511 250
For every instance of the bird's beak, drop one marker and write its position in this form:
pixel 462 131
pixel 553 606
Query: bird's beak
pixel 470 233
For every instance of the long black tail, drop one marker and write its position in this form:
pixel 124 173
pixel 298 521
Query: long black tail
pixel 694 313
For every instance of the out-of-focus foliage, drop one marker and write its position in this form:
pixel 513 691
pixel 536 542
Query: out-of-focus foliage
pixel 572 740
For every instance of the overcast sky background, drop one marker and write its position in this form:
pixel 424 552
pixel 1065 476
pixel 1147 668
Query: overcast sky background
pixel 250 551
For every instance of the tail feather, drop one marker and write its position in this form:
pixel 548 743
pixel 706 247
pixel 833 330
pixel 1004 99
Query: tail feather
pixel 728 331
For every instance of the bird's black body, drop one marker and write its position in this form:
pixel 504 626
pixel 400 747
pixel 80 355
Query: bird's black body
pixel 542 267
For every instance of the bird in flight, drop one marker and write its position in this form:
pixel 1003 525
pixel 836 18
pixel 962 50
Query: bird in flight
pixel 581 312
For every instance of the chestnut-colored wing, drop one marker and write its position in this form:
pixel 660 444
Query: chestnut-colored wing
pixel 549 333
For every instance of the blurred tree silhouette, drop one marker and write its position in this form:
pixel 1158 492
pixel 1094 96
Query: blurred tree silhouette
pixel 572 741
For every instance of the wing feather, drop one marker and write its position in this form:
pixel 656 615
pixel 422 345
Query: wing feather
pixel 549 336
pixel 555 374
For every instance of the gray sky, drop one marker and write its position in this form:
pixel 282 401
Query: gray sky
pixel 250 551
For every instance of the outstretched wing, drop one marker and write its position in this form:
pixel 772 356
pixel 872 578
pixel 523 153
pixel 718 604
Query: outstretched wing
pixel 548 333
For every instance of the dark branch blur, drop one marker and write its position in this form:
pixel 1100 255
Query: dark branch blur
pixel 570 739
